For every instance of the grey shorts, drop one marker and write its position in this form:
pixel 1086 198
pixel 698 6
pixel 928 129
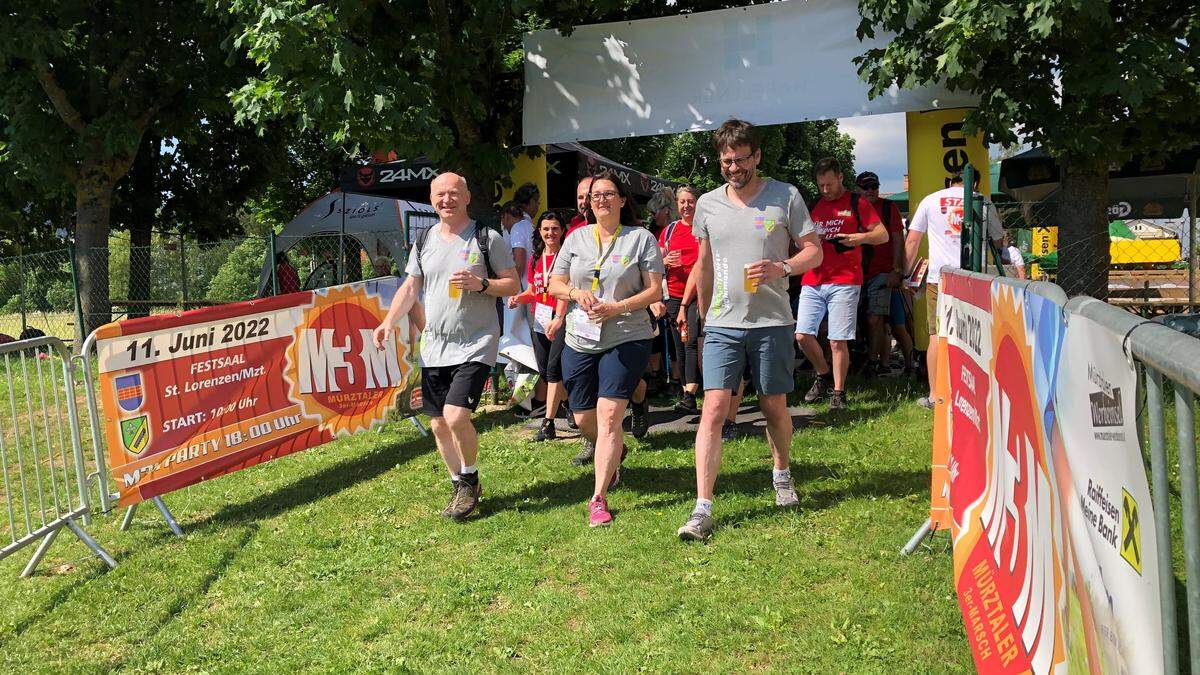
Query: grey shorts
pixel 769 352
pixel 879 296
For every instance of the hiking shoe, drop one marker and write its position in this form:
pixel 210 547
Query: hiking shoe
pixel 872 370
pixel 785 492
pixel 729 431
pixel 585 455
pixel 598 515
pixel 687 404
pixel 699 527
pixel 819 390
pixel 837 400
pixel 925 402
pixel 466 498
pixel 546 432
pixel 453 496
pixel 637 423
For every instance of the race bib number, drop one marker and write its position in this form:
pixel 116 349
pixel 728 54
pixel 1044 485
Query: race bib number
pixel 583 327
pixel 543 315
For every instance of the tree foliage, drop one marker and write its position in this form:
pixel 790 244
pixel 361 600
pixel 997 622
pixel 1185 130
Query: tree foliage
pixel 790 152
pixel 1093 82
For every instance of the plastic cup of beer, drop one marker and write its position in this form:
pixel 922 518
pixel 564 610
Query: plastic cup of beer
pixel 750 285
pixel 455 291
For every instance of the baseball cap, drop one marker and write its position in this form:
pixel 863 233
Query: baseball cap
pixel 867 178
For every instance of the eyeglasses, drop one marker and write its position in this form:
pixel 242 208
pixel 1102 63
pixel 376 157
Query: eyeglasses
pixel 735 161
pixel 869 186
pixel 604 196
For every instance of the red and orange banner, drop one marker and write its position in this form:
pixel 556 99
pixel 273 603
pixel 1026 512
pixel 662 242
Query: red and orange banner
pixel 1047 494
pixel 204 393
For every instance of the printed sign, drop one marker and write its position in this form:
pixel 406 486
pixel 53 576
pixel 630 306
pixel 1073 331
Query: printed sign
pixel 200 394
pixel 1050 508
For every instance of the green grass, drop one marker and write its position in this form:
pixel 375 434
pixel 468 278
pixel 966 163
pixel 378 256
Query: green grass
pixel 336 559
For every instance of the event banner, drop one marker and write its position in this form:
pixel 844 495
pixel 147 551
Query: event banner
pixel 1048 495
pixel 192 396
pixel 964 336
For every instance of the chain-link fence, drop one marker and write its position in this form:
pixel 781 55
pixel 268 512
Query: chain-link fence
pixel 40 292
pixel 1148 270
pixel 37 296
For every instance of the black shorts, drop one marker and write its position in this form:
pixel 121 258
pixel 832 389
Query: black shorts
pixel 460 385
pixel 549 355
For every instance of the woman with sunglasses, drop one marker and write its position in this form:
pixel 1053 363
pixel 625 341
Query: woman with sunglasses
pixel 548 316
pixel 609 271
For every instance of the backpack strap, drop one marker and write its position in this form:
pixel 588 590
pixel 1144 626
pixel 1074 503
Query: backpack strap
pixel 670 231
pixel 854 200
pixel 481 238
pixel 420 246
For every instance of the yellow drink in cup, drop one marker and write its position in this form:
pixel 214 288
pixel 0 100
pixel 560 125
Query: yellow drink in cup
pixel 748 284
pixel 455 291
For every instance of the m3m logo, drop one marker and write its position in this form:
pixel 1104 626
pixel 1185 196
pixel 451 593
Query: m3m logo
pixel 1131 532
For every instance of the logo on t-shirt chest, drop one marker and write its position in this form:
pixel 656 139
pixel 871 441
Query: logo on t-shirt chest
pixel 764 223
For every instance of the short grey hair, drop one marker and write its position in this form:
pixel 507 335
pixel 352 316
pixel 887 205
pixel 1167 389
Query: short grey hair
pixel 663 198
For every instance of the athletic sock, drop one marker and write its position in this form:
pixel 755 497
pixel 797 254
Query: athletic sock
pixel 703 506
pixel 467 469
pixel 780 474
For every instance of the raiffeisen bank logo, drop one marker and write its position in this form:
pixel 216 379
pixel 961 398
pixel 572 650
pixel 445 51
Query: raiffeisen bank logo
pixel 335 372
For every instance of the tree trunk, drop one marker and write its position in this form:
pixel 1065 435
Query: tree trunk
pixel 93 207
pixel 144 203
pixel 1083 242
pixel 482 207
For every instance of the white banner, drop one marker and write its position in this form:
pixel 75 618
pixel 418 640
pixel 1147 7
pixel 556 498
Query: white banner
pixel 769 64
pixel 1110 517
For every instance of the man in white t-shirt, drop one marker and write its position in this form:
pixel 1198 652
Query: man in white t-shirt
pixel 1014 262
pixel 517 231
pixel 941 214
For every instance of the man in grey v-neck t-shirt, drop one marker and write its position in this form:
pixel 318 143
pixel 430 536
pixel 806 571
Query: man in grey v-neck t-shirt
pixel 462 332
pixel 745 229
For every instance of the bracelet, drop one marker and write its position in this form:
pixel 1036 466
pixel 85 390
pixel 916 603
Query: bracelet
pixel 571 293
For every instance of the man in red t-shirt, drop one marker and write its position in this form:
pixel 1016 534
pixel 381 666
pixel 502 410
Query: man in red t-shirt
pixel 845 223
pixel 882 284
pixel 581 203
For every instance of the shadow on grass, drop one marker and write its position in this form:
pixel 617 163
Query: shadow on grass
pixel 677 484
pixel 324 483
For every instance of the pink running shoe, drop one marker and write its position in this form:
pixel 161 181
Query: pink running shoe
pixel 598 515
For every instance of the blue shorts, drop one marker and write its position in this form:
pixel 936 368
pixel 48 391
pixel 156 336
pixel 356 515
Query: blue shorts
pixel 611 374
pixel 838 301
pixel 899 314
pixel 768 353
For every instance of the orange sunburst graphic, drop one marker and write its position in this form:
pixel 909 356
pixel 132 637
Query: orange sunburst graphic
pixel 1019 439
pixel 334 372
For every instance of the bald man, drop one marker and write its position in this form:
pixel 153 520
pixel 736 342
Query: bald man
pixel 462 332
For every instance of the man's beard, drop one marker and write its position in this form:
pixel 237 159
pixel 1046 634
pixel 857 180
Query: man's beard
pixel 738 180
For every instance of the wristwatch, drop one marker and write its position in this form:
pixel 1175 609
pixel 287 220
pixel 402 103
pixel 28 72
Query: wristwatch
pixel 484 281
pixel 787 269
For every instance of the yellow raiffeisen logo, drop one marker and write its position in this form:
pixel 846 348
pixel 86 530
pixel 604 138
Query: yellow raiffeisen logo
pixel 334 370
pixel 1131 532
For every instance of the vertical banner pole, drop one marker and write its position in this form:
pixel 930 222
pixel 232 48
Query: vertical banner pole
pixel 274 266
pixel 341 266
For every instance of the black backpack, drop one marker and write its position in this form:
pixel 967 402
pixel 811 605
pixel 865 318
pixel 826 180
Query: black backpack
pixel 868 251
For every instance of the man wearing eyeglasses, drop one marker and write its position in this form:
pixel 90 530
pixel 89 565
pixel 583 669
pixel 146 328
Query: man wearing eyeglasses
pixel 744 228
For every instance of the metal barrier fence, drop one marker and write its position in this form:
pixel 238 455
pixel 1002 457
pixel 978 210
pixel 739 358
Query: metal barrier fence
pixel 45 480
pixel 1163 352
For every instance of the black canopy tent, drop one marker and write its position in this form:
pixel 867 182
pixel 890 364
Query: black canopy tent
pixel 566 163
pixel 1144 187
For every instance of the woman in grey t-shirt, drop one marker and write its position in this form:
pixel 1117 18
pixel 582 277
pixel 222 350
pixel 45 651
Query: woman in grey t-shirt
pixel 610 271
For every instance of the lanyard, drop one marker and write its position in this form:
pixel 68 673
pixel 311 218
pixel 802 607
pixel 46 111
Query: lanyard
pixel 603 254
pixel 545 282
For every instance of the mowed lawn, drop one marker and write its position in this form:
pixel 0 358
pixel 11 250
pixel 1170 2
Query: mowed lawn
pixel 336 559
